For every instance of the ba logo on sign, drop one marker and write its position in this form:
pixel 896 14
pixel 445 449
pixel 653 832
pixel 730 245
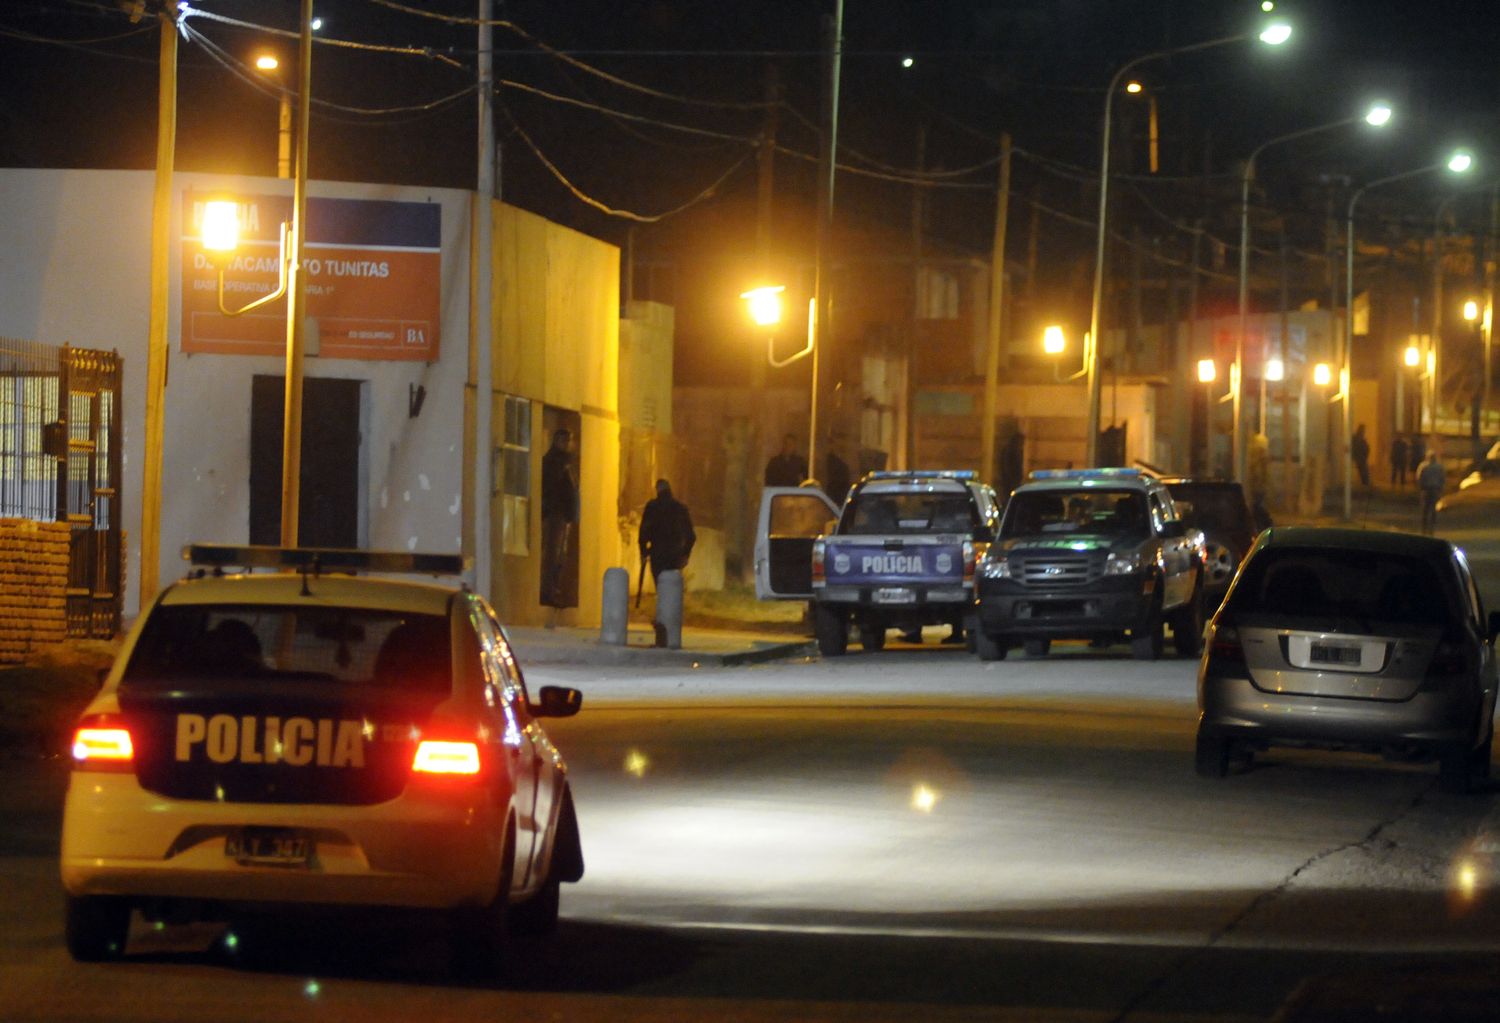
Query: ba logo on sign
pixel 251 740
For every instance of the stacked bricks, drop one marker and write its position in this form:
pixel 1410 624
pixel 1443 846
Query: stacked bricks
pixel 33 586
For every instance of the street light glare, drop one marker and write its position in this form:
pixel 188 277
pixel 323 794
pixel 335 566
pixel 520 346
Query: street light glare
pixel 1322 374
pixel 1133 87
pixel 1412 357
pixel 317 24
pixel 1379 115
pixel 267 62
pixel 1471 310
pixel 1460 162
pixel 1275 370
pixel 1053 342
pixel 1267 6
pixel 765 304
pixel 1207 371
pixel 1276 33
pixel 907 62
pixel 221 226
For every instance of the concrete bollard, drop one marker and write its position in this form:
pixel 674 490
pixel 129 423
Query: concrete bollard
pixel 669 610
pixel 615 616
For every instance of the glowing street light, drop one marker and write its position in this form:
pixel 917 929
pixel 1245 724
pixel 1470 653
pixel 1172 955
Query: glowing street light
pixel 1273 34
pixel 1275 372
pixel 1412 357
pixel 765 304
pixel 1208 372
pixel 1133 87
pixel 1378 115
pixel 269 64
pixel 1053 342
pixel 1471 310
pixel 1459 162
pixel 1322 374
pixel 221 225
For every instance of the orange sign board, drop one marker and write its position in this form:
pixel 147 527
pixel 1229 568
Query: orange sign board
pixel 372 270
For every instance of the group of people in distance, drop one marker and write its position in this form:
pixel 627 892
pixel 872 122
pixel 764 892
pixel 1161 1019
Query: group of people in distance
pixel 1407 456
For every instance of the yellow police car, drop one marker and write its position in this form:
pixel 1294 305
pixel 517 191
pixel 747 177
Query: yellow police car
pixel 309 737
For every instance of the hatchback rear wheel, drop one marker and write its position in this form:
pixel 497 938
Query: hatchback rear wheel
pixel 1211 754
pixel 96 927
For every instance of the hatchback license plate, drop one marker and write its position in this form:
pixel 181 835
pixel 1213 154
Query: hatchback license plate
pixel 1320 653
pixel 268 845
pixel 895 595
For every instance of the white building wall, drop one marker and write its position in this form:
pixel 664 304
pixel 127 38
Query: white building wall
pixel 75 269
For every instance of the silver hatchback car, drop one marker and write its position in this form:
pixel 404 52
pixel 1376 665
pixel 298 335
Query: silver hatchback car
pixel 1351 640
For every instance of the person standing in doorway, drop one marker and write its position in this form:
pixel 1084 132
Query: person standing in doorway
pixel 1359 454
pixel 786 468
pixel 559 515
pixel 1399 455
pixel 666 538
pixel 1430 481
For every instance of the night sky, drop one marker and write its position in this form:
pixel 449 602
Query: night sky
pixel 1035 68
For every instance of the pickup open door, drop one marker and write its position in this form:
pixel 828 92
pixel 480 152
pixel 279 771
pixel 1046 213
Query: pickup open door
pixel 791 518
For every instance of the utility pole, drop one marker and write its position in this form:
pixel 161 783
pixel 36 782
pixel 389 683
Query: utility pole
pixel 909 383
pixel 823 256
pixel 481 331
pixel 997 320
pixel 161 288
pixel 296 300
pixel 765 171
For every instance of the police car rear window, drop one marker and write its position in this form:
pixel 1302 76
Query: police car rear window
pixel 346 646
pixel 883 514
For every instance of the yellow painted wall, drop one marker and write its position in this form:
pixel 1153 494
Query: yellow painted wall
pixel 557 342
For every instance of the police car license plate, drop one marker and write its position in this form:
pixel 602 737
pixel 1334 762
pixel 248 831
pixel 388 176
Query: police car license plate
pixel 279 846
pixel 895 595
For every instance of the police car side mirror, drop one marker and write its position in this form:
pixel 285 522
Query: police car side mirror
pixel 557 702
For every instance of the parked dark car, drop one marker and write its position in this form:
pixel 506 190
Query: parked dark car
pixel 1219 509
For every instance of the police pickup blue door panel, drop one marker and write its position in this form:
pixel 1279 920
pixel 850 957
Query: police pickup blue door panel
pixel 888 561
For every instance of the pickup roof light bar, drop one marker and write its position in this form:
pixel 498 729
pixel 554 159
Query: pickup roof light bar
pixel 322 559
pixel 1087 474
pixel 922 474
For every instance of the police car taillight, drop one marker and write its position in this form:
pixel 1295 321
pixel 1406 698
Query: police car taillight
pixel 100 745
pixel 818 577
pixel 438 756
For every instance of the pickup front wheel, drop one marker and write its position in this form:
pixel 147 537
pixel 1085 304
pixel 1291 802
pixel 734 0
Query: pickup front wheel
pixel 986 646
pixel 832 629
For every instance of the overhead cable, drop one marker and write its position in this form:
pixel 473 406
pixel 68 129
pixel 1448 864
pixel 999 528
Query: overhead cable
pixel 641 218
pixel 613 79
pixel 409 51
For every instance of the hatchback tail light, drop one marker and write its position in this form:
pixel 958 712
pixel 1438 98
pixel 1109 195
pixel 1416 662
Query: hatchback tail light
pixel 100 744
pixel 1448 659
pixel 1225 645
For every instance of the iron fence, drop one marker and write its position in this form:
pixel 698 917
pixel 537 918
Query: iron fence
pixel 60 461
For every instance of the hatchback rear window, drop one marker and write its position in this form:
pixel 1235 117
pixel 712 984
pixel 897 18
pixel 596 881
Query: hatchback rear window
pixel 346 646
pixel 1365 586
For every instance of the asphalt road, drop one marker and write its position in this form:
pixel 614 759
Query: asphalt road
pixel 908 835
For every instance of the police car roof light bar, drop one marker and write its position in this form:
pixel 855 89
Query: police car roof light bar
pixel 925 474
pixel 1113 473
pixel 322 559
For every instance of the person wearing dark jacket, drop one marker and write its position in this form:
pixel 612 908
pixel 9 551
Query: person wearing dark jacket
pixel 1399 464
pixel 786 468
pixel 1359 454
pixel 666 536
pixel 559 514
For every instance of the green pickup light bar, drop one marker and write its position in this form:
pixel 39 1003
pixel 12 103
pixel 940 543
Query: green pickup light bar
pixel 323 559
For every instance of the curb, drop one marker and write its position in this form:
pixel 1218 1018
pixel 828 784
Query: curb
pixel 645 656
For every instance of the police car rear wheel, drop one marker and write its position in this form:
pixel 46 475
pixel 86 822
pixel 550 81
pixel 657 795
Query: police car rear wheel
pixel 476 934
pixel 96 927
pixel 832 628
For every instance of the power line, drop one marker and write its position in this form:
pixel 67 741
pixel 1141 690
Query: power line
pixel 408 51
pixel 584 197
pixel 598 108
pixel 613 79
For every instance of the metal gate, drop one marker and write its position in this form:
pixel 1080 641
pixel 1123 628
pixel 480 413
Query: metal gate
pixel 60 462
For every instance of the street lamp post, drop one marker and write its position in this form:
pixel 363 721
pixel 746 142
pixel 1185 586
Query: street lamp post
pixel 1459 163
pixel 1378 115
pixel 268 63
pixel 1274 34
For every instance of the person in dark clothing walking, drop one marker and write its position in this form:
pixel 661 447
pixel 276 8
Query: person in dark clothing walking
pixel 1431 481
pixel 1418 453
pixel 786 468
pixel 1399 463
pixel 559 515
pixel 666 536
pixel 1359 454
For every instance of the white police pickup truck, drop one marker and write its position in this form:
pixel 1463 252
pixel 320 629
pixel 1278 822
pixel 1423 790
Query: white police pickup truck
pixel 900 554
